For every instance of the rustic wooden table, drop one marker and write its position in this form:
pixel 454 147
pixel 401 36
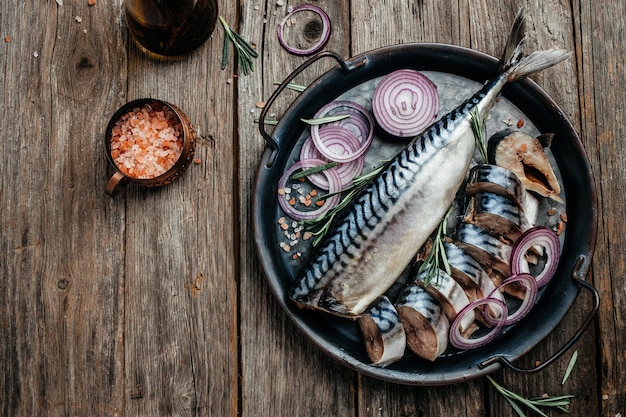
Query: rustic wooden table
pixel 153 303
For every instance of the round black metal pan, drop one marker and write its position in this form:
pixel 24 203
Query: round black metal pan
pixel 340 338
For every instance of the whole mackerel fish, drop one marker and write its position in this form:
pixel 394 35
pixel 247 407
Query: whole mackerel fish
pixel 381 232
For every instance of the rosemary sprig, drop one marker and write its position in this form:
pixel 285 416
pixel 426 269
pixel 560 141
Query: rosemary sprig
pixel 517 402
pixel 245 52
pixel 570 366
pixel 437 258
pixel 313 170
pixel 324 221
pixel 323 120
pixel 267 121
pixel 293 86
pixel 479 133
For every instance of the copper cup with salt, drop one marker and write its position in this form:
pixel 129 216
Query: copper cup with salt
pixel 149 142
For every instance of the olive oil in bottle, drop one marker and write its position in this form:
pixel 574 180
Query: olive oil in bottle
pixel 170 28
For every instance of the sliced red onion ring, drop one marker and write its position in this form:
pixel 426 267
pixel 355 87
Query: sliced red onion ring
pixel 528 302
pixel 360 122
pixel 544 237
pixel 334 187
pixel 405 102
pixel 326 28
pixel 332 142
pixel 460 342
pixel 347 171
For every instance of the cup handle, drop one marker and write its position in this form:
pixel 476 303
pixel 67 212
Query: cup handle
pixel 115 184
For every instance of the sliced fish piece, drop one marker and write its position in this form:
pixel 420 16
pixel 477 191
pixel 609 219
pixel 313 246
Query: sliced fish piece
pixel 425 324
pixel 450 295
pixel 524 155
pixel 498 215
pixel 383 333
pixel 489 251
pixel 495 179
pixel 469 274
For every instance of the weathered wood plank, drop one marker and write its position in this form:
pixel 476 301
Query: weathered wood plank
pixel 180 261
pixel 61 299
pixel 601 83
pixel 154 303
pixel 282 372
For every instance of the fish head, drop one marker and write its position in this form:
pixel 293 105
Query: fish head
pixel 525 156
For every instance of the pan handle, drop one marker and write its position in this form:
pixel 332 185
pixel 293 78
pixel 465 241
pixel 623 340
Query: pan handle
pixel 578 275
pixel 345 65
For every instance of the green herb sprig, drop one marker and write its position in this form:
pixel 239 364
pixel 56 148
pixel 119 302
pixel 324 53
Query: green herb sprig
pixel 269 122
pixel 517 402
pixel 436 259
pixel 245 52
pixel 324 120
pixel 570 367
pixel 324 221
pixel 313 170
pixel 479 133
pixel 293 86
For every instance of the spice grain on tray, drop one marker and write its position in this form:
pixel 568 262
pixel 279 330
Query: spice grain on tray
pixel 147 141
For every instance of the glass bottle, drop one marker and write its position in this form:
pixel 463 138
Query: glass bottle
pixel 170 28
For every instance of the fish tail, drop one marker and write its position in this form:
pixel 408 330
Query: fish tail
pixel 518 66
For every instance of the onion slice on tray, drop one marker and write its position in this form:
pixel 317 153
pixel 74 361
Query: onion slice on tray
pixel 360 123
pixel 360 120
pixel 541 236
pixel 347 171
pixel 530 296
pixel 405 102
pixel 325 35
pixel 334 188
pixel 460 341
pixel 330 141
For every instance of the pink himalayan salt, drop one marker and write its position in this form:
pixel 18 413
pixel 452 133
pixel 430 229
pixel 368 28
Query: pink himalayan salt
pixel 146 142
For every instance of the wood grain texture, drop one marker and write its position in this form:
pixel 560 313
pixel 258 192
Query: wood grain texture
pixel 181 264
pixel 60 309
pixel 154 303
pixel 307 383
pixel 602 79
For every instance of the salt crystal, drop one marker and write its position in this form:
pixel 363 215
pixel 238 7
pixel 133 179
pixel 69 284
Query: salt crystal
pixel 140 145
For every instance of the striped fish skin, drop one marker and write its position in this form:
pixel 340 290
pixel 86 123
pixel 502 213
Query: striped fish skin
pixel 467 272
pixel 488 250
pixel 498 215
pixel 471 276
pixel 383 332
pixel 495 179
pixel 450 295
pixel 383 229
pixel 424 322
